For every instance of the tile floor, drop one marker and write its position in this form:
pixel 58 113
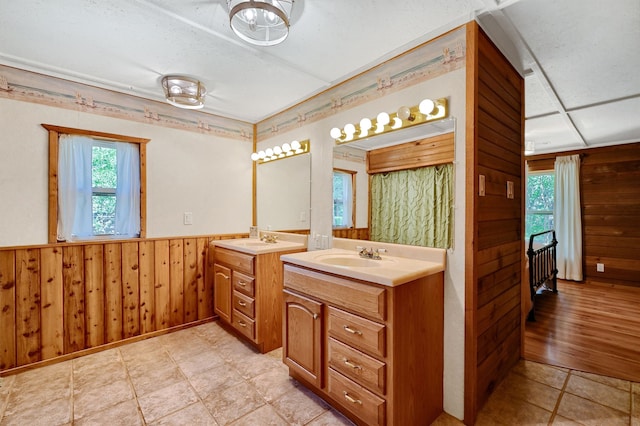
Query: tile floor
pixel 205 376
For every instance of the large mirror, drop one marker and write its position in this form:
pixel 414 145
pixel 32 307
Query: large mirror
pixel 283 194
pixel 351 184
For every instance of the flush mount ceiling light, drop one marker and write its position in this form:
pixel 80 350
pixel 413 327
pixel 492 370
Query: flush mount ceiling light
pixel 183 92
pixel 260 22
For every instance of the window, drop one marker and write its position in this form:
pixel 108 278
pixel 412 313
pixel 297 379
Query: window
pixel 344 208
pixel 540 202
pixel 96 185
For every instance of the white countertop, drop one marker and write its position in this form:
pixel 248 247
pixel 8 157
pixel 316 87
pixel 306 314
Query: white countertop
pixel 390 270
pixel 284 242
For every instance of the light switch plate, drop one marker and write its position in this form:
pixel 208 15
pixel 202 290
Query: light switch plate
pixel 188 218
pixel 510 190
pixel 481 186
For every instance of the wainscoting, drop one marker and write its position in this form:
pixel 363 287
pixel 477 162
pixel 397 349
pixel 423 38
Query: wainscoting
pixel 59 299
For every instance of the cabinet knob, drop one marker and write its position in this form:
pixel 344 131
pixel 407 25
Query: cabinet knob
pixel 351 330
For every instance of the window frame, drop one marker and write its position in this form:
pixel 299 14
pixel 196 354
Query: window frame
pixel 527 211
pixel 54 137
pixel 353 198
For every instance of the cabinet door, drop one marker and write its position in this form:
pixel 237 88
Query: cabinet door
pixel 302 339
pixel 222 292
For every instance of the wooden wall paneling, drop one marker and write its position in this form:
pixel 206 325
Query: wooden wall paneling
pixel 7 309
pixel 176 281
pixel 425 152
pixel 94 295
pixel 27 306
pixel 146 256
pixel 113 291
pixel 74 303
pixel 51 307
pixel 190 266
pixel 205 291
pixel 162 294
pixel 130 290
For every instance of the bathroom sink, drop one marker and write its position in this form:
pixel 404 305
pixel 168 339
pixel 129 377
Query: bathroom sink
pixel 256 244
pixel 352 261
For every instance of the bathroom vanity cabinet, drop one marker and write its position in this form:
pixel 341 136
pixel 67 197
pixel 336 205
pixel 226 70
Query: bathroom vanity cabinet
pixel 373 351
pixel 247 294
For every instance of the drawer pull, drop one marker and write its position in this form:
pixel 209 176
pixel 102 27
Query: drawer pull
pixel 242 283
pixel 242 323
pixel 350 398
pixel 352 365
pixel 226 277
pixel 351 330
pixel 242 303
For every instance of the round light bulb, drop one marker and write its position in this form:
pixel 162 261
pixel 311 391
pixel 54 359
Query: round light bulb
pixel 295 145
pixel 427 107
pixel 404 113
pixel 335 133
pixel 397 123
pixel 255 156
pixel 286 147
pixel 262 155
pixel 349 129
pixel 277 150
pixel 383 118
pixel 365 124
pixel 269 152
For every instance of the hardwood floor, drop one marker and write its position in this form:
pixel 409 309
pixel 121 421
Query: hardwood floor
pixel 592 327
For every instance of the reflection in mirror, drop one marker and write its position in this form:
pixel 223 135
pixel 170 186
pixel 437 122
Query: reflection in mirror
pixel 353 157
pixel 283 194
pixel 350 193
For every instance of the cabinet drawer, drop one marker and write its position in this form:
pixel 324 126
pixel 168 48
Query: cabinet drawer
pixel 367 406
pixel 366 371
pixel 356 331
pixel 244 304
pixel 238 261
pixel 244 284
pixel 352 295
pixel 244 324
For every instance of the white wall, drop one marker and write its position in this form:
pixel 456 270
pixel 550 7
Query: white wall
pixel 186 172
pixel 451 86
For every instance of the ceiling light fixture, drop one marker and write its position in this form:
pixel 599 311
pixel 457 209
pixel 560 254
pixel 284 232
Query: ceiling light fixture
pixel 183 92
pixel 260 22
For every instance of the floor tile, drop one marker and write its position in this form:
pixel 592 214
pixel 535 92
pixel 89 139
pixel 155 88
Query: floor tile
pixel 198 362
pixel 89 400
pixel 600 393
pixel 46 413
pixel 334 418
pixel 590 413
pixel 215 380
pixel 125 413
pixel 546 374
pixel 274 383
pixel 233 402
pixel 263 416
pixel 527 390
pixel 623 385
pixel 299 406
pixel 150 380
pixel 166 400
pixel 193 415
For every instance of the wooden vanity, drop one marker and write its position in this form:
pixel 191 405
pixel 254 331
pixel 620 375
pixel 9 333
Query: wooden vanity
pixel 372 350
pixel 247 293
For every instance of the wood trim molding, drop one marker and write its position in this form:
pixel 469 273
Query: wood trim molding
pixel 54 138
pixel 420 153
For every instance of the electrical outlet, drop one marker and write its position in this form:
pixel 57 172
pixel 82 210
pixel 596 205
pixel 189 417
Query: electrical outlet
pixel 188 218
pixel 599 267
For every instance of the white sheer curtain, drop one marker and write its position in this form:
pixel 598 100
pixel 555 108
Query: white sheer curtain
pixel 74 187
pixel 568 218
pixel 128 190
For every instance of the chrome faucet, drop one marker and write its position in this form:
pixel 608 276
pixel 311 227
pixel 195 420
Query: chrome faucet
pixel 269 238
pixel 369 254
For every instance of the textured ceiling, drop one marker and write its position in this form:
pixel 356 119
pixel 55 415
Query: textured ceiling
pixel 579 57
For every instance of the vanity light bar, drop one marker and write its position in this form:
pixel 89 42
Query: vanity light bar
pixel 279 152
pixel 404 117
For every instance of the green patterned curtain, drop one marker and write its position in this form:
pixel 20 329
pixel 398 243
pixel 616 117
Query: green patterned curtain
pixel 413 206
